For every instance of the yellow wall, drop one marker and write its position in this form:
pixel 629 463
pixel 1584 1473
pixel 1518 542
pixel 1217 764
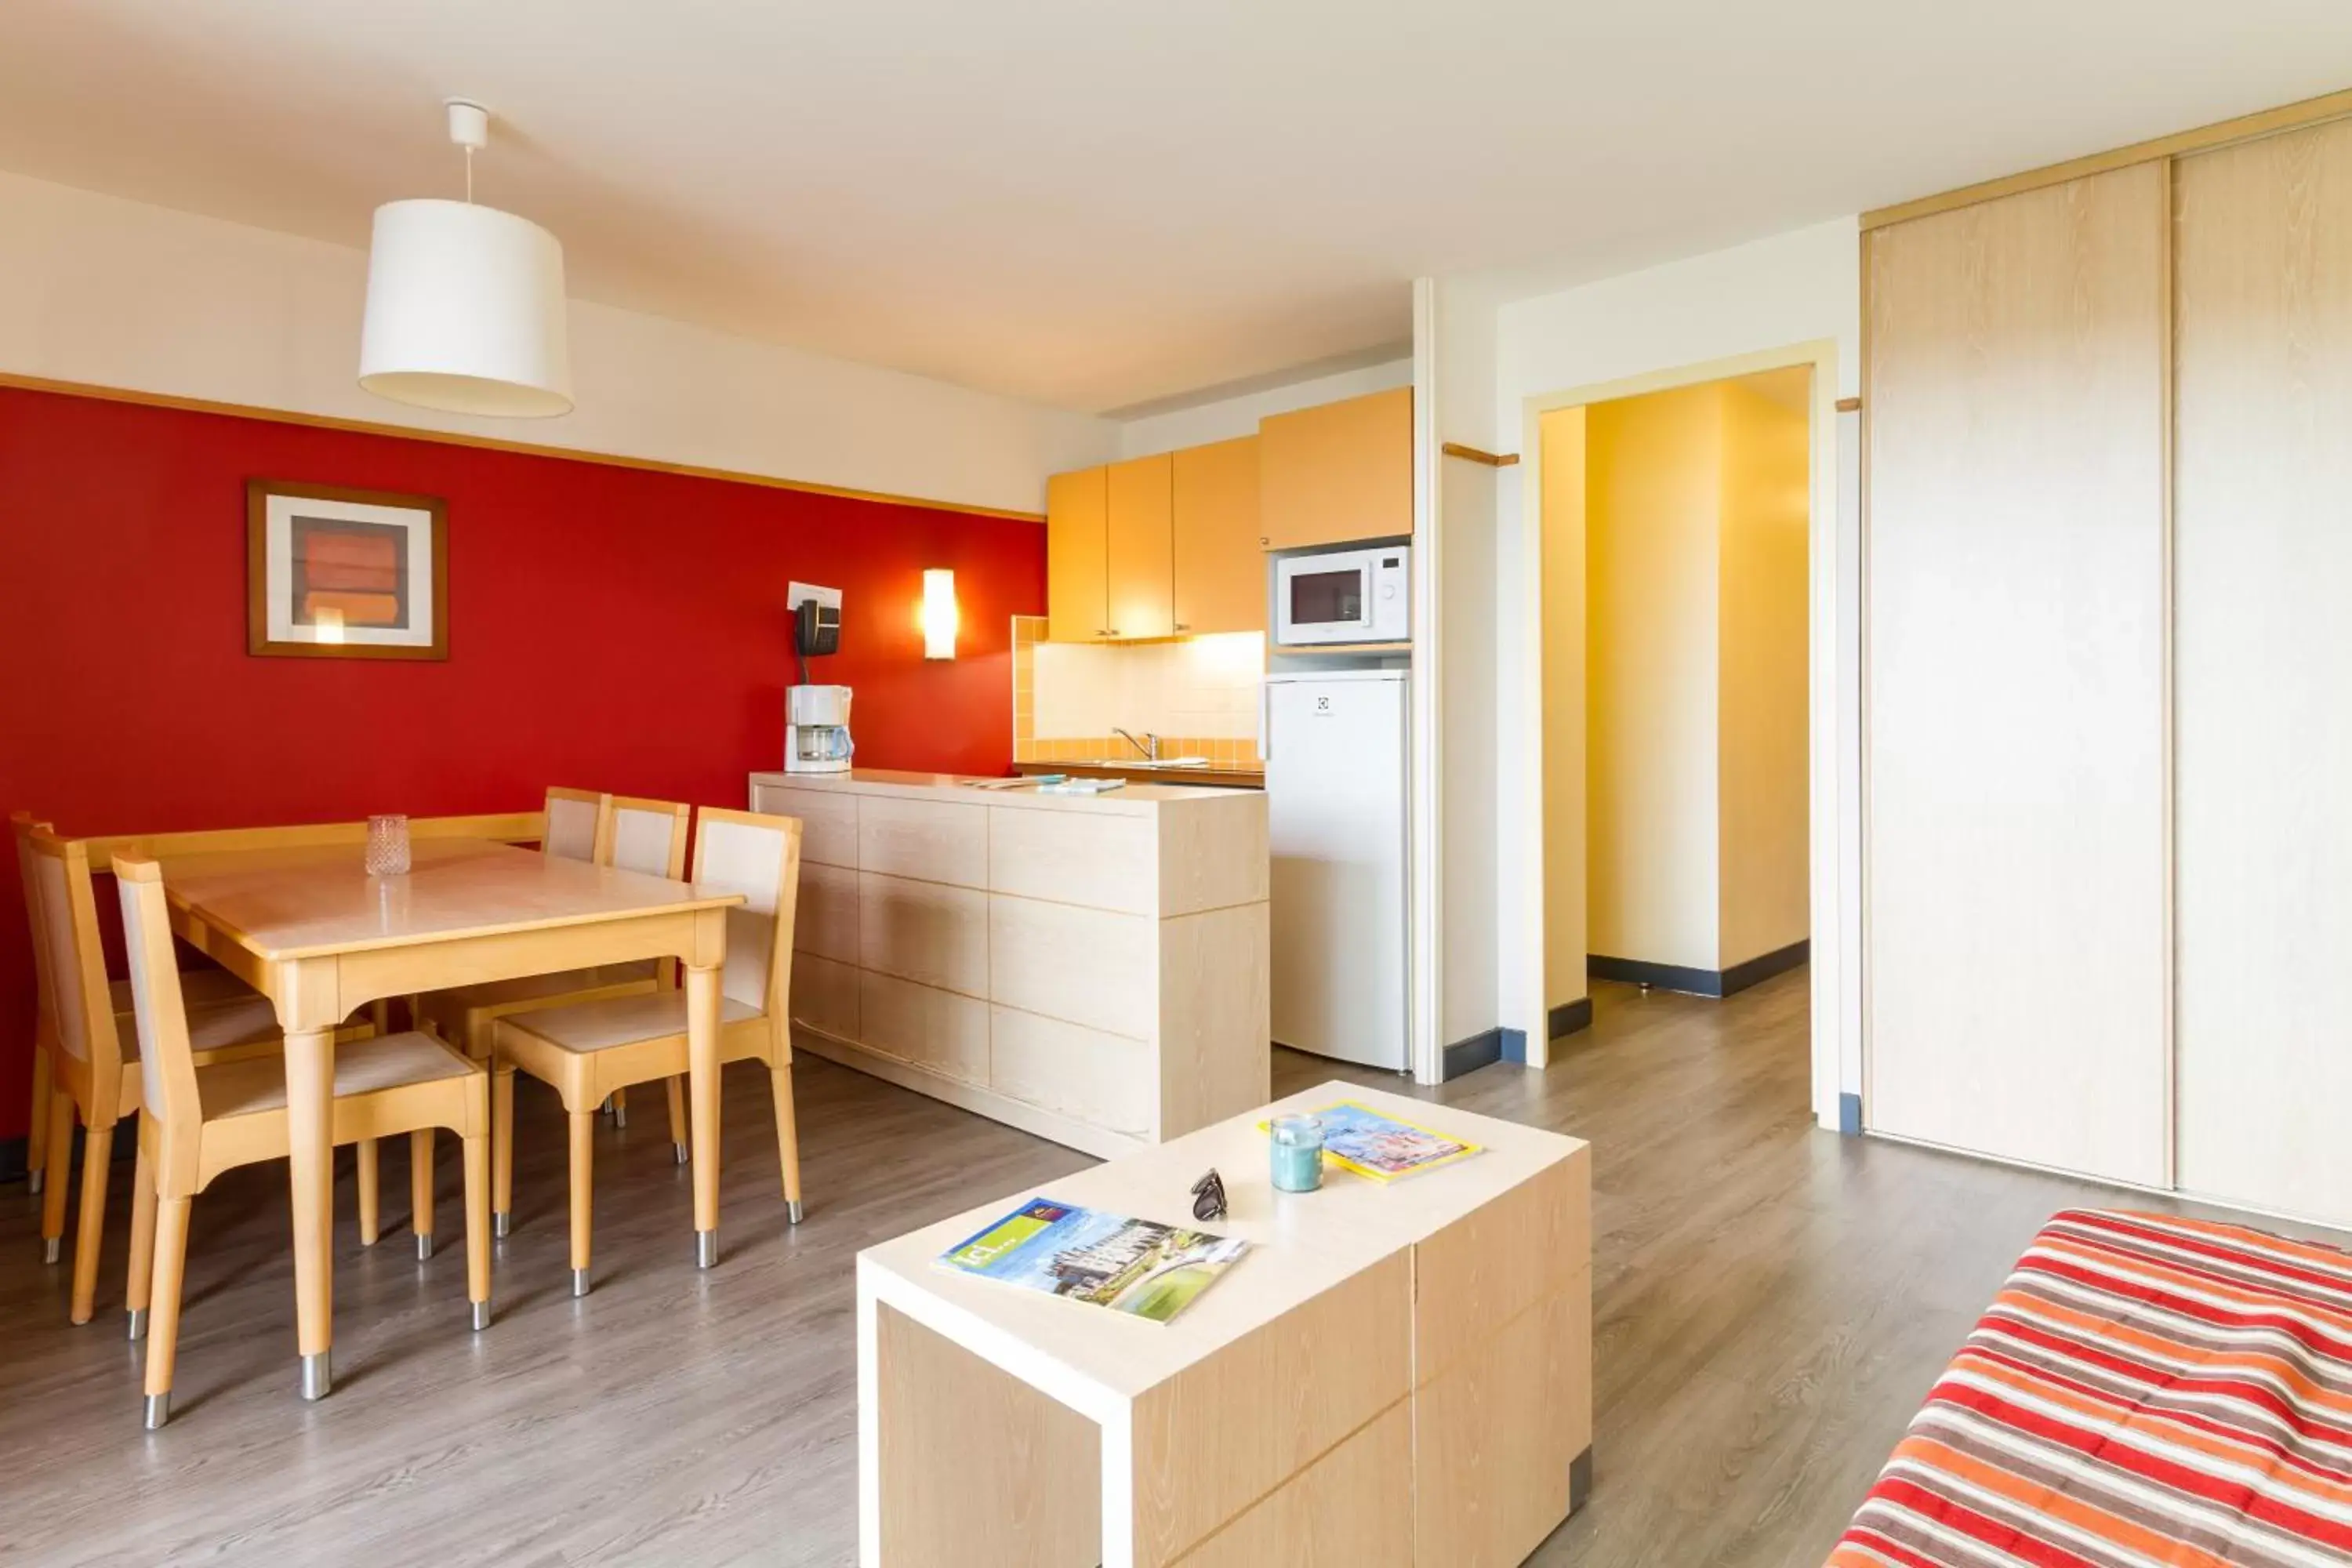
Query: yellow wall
pixel 1765 806
pixel 1651 500
pixel 1563 707
pixel 1675 783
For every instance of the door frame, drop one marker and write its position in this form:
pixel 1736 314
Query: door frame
pixel 1834 745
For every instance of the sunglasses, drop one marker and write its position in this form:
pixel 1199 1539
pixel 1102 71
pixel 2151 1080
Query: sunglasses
pixel 1209 1197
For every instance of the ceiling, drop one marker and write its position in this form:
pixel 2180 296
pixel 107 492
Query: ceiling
pixel 1093 203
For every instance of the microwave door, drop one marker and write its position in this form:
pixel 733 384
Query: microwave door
pixel 1329 601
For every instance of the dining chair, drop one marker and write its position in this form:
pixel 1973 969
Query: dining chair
pixel 635 833
pixel 588 1050
pixel 204 1119
pixel 205 987
pixel 93 1048
pixel 574 825
pixel 575 822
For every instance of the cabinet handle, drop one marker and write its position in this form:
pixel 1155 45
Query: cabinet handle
pixel 1262 539
pixel 1183 626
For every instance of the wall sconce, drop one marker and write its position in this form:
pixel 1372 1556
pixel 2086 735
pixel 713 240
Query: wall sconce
pixel 940 615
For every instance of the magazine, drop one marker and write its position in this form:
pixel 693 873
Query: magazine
pixel 1383 1148
pixel 1132 1266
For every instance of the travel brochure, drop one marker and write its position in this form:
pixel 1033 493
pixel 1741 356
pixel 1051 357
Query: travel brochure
pixel 1384 1148
pixel 1133 1265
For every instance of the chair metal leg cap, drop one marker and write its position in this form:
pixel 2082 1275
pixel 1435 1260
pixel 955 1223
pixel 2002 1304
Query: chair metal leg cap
pixel 481 1316
pixel 159 1410
pixel 318 1376
pixel 792 1210
pixel 501 1223
pixel 580 1282
pixel 706 1248
pixel 34 1180
pixel 678 1151
pixel 52 1248
pixel 620 1116
pixel 424 1248
pixel 138 1323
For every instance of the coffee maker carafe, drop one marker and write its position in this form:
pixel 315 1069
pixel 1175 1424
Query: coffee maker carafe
pixel 816 730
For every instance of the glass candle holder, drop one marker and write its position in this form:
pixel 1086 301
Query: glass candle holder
pixel 1297 1154
pixel 387 845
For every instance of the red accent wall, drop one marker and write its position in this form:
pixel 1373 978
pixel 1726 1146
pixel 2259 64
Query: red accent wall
pixel 609 629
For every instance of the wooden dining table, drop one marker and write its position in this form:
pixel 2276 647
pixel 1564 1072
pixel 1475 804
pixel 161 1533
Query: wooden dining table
pixel 308 928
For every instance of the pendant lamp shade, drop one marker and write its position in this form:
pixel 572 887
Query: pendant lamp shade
pixel 466 312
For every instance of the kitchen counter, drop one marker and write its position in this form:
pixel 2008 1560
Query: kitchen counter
pixel 1092 969
pixel 1181 778
pixel 965 788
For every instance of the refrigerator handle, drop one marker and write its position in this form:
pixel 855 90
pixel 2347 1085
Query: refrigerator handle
pixel 1264 724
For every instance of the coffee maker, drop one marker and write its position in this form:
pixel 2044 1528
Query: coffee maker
pixel 816 730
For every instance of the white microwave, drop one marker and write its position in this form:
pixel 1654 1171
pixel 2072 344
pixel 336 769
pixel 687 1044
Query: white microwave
pixel 1358 594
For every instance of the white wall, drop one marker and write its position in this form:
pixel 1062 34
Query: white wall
pixel 1229 417
pixel 120 294
pixel 1498 348
pixel 1468 999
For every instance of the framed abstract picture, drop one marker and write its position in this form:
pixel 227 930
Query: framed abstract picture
pixel 343 573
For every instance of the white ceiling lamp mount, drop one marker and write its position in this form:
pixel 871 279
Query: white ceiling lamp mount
pixel 465 303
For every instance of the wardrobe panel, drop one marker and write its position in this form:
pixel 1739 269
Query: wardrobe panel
pixel 2017 925
pixel 2263 681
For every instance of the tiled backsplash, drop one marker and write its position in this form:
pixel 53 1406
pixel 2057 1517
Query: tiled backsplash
pixel 1199 696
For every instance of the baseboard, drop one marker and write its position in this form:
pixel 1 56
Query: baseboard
pixel 1568 1018
pixel 1713 983
pixel 1658 976
pixel 1482 1049
pixel 1579 1479
pixel 1757 970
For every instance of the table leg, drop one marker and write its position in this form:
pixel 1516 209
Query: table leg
pixel 702 1092
pixel 309 1127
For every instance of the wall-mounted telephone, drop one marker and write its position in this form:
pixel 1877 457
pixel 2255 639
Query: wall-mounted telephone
pixel 816 628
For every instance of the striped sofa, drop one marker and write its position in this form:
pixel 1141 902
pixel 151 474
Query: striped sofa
pixel 2144 1390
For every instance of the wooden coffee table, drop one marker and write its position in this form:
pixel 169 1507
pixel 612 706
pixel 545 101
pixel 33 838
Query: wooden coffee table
pixel 1398 1374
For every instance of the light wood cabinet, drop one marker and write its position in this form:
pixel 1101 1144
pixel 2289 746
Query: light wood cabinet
pixel 1077 562
pixel 1338 473
pixel 1139 544
pixel 1220 566
pixel 1093 971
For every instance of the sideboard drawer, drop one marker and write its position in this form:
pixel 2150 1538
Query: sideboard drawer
pixel 938 841
pixel 828 820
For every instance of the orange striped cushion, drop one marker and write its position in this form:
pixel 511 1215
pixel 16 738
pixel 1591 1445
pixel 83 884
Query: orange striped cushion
pixel 2144 1390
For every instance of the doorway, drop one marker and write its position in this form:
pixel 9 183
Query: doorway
pixel 1675 528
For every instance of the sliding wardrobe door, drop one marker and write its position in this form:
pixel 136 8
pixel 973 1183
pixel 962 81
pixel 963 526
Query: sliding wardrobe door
pixel 2016 911
pixel 2264 531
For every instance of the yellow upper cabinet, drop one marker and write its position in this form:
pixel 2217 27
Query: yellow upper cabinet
pixel 1220 564
pixel 1338 473
pixel 1078 564
pixel 1140 548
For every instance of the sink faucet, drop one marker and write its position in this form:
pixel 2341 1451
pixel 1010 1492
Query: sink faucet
pixel 1149 745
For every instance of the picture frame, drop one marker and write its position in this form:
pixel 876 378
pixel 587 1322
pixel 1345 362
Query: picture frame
pixel 336 572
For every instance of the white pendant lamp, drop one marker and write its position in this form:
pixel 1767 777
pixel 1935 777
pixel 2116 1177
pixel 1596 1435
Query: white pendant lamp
pixel 465 303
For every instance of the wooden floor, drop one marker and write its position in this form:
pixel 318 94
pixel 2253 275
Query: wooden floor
pixel 1771 1304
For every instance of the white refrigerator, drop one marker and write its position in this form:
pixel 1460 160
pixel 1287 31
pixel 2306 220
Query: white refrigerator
pixel 1334 742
